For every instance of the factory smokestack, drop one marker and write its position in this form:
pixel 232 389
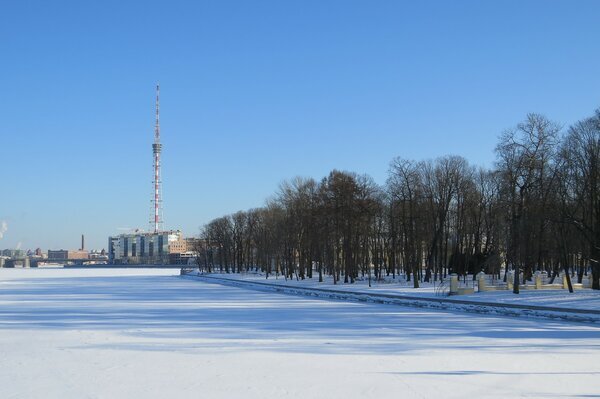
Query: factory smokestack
pixel 82 242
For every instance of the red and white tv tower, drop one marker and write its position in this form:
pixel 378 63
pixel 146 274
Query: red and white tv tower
pixel 157 221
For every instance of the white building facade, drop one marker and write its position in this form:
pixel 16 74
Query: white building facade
pixel 145 248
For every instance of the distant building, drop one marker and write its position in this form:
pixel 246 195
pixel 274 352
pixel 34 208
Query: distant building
pixel 178 246
pixel 13 253
pixel 183 258
pixel 63 254
pixel 98 255
pixel 146 248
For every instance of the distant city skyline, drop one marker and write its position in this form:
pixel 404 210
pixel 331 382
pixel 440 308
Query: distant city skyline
pixel 256 93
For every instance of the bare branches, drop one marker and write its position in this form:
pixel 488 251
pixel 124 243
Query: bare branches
pixel 539 209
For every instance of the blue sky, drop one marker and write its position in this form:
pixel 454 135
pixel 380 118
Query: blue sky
pixel 256 92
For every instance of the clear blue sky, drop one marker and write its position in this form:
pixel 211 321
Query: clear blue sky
pixel 256 92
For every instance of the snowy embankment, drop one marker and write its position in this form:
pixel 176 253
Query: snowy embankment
pixel 581 306
pixel 151 334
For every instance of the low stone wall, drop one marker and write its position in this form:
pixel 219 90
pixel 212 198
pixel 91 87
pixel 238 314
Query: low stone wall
pixel 483 286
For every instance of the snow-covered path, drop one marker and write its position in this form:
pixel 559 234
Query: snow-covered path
pixel 147 333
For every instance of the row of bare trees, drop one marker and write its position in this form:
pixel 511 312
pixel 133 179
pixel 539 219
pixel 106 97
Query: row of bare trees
pixel 538 209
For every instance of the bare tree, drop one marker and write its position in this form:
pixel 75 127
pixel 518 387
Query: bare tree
pixel 523 155
pixel 581 152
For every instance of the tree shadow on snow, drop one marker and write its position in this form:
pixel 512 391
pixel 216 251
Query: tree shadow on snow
pixel 166 313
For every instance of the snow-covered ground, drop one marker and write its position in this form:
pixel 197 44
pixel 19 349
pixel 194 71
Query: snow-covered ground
pixel 579 299
pixel 149 333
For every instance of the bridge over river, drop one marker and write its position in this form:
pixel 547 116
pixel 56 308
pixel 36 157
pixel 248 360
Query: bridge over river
pixel 35 262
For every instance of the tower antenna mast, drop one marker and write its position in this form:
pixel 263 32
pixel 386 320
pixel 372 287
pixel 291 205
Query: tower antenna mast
pixel 156 222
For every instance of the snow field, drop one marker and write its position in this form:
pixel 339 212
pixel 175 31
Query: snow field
pixel 148 333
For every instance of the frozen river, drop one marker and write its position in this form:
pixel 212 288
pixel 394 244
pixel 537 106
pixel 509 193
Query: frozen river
pixel 148 333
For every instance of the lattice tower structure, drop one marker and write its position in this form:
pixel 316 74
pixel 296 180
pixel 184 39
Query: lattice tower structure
pixel 156 222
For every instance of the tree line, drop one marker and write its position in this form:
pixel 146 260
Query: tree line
pixel 538 208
